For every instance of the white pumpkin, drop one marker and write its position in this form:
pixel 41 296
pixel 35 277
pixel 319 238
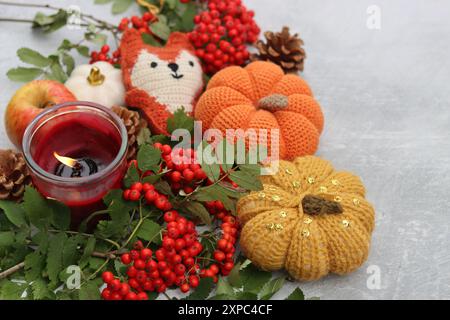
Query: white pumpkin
pixel 99 82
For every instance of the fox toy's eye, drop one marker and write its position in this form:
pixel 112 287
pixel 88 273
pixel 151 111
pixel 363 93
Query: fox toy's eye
pixel 153 65
pixel 191 63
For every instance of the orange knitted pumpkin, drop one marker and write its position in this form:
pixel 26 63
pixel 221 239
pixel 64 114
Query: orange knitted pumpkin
pixel 261 96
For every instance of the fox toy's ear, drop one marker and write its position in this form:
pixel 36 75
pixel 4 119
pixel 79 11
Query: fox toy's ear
pixel 179 39
pixel 131 38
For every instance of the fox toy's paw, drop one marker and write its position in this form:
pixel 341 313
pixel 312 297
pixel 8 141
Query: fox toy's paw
pixel 155 113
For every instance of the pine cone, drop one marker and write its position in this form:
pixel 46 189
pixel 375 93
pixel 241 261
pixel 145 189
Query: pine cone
pixel 283 49
pixel 134 124
pixel 14 175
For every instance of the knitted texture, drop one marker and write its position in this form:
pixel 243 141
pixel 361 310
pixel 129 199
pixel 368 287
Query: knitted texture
pixel 237 98
pixel 160 80
pixel 277 233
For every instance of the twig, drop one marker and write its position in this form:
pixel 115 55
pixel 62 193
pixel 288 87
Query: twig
pixel 108 255
pixel 12 270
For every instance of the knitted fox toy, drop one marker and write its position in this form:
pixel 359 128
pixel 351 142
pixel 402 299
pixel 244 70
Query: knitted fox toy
pixel 160 80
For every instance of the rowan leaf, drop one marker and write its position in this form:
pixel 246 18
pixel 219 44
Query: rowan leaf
pixel 271 287
pixel 246 180
pixel 89 291
pixel 33 57
pixel 203 290
pixel 148 158
pixel 297 294
pixel 198 210
pixel 55 256
pixel 120 6
pixel 254 279
pixel 22 74
pixel 14 212
pixel 36 208
pixel 224 288
pixel 149 231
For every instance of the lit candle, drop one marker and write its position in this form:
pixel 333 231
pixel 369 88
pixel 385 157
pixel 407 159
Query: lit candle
pixel 76 153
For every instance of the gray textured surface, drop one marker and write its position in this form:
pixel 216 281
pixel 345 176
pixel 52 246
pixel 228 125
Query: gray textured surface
pixel 386 98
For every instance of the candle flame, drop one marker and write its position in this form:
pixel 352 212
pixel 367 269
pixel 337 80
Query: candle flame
pixel 65 160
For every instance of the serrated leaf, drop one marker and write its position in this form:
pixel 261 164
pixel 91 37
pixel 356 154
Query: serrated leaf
pixel 149 231
pixel 89 291
pixel 234 278
pixel 163 187
pixel 33 57
pixel 83 50
pixel 55 256
pixel 224 288
pixel 14 212
pixel 88 249
pixel 34 265
pixel 160 29
pixel 60 214
pixel 69 63
pixel 180 120
pixel 198 210
pixel 254 279
pixel 272 287
pixel 148 158
pixel 246 181
pixel 57 73
pixel 131 177
pixel 39 289
pixel 70 254
pixel 212 193
pixel 36 208
pixel 10 290
pixel 297 294
pixel 150 40
pixel 21 74
pixel 187 18
pixel 120 6
pixel 203 290
pixel 212 171
pixel 6 238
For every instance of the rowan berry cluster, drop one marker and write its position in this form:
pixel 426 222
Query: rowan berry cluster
pixel 221 34
pixel 103 55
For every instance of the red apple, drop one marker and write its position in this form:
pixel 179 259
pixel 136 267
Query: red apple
pixel 28 102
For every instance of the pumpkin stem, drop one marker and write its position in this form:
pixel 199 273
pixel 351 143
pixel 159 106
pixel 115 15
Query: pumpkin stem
pixel 315 205
pixel 274 102
pixel 95 77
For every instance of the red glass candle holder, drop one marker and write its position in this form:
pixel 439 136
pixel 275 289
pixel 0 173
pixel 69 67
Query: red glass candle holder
pixel 77 130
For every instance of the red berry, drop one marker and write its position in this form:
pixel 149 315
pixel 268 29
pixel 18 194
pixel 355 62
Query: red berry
pixel 219 255
pixel 194 281
pixel 222 244
pixel 147 186
pixel 179 244
pixel 106 294
pixel 185 288
pixel 168 243
pixel 107 277
pixel 139 264
pixel 116 296
pixel 170 216
pixel 228 266
pixel 126 258
pixel 166 149
pixel 131 296
pixel 132 272
pixel 134 195
pixel 175 176
pixel 151 196
pixel 134 254
pixel 124 289
pixel 180 269
pixel 126 194
pixel 114 285
pixel 105 49
pixel 142 296
pixel 146 254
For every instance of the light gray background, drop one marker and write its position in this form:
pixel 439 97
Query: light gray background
pixel 386 98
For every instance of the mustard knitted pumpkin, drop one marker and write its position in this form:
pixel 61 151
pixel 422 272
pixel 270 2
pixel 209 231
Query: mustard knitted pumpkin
pixel 309 219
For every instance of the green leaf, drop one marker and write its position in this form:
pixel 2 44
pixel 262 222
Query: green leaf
pixel 223 297
pixel 224 288
pixel 187 19
pixel 36 208
pixel 34 265
pixel 6 238
pixel 198 210
pixel 246 181
pixel 96 38
pixel 89 291
pixel 234 278
pixel 70 254
pixel 55 256
pixel 247 296
pixel 150 40
pixel 131 177
pixel 272 287
pixel 203 290
pixel 40 289
pixel 50 23
pixel 69 62
pixel 60 214
pixel 180 120
pixel 10 290
pixel 120 6
pixel 297 294
pixel 160 29
pixel 212 171
pixel 21 74
pixel 254 279
pixel 148 158
pixel 83 50
pixel 144 135
pixel 88 249
pixel 14 212
pixel 212 193
pixel 33 57
pixel 57 72
pixel 149 231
